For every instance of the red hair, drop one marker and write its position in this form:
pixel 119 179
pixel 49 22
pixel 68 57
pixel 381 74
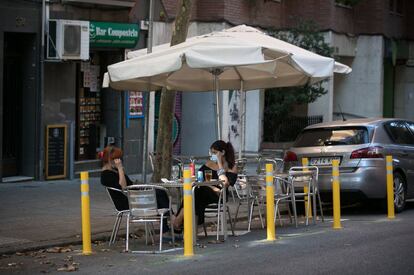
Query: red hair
pixel 110 153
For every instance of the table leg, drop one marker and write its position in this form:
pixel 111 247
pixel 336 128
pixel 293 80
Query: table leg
pixel 224 222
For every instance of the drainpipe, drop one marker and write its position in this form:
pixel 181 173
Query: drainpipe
pixel 40 133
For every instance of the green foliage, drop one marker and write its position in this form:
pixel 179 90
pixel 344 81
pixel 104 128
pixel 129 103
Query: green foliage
pixel 280 101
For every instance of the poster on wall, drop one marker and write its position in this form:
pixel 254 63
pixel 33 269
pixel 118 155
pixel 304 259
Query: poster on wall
pixel 94 78
pixel 234 124
pixel 135 106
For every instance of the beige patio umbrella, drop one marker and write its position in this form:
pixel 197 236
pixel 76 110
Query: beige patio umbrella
pixel 239 58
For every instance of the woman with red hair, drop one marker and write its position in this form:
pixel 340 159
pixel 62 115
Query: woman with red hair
pixel 113 175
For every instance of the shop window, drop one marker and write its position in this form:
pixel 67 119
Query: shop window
pixel 89 111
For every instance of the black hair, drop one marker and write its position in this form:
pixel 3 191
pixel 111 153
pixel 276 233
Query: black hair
pixel 220 145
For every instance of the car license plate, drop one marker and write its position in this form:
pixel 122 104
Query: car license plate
pixel 324 160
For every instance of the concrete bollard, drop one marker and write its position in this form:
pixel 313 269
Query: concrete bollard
pixel 390 188
pixel 336 189
pixel 188 214
pixel 86 219
pixel 270 203
pixel 305 162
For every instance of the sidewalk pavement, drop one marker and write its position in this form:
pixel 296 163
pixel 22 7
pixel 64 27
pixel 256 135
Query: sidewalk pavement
pixel 39 214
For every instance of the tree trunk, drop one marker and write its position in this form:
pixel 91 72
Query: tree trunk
pixel 163 159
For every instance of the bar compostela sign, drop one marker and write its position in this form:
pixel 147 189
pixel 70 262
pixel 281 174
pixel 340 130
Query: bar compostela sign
pixel 116 35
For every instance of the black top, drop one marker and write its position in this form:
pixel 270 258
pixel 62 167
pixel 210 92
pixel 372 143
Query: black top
pixel 232 177
pixel 110 178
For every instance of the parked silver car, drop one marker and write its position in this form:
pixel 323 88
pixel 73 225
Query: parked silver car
pixel 361 146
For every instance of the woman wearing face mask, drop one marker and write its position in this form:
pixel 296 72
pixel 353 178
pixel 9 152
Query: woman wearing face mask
pixel 222 165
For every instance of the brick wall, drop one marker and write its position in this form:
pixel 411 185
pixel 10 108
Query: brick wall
pixel 368 17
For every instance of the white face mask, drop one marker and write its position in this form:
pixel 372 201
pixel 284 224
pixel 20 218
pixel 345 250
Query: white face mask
pixel 213 157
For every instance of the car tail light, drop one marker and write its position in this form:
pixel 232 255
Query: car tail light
pixel 369 153
pixel 290 156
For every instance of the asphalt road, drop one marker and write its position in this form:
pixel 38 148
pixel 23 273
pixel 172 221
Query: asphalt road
pixel 369 243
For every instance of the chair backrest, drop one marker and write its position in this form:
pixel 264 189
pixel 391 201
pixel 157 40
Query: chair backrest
pixel 242 188
pixel 301 175
pixel 241 165
pixel 142 200
pixel 118 198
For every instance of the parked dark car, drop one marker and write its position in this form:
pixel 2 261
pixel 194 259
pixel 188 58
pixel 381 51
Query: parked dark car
pixel 361 146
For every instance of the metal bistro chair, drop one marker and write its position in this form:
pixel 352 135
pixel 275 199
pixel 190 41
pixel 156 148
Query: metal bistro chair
pixel 258 191
pixel 281 184
pixel 257 186
pixel 119 213
pixel 216 210
pixel 143 209
pixel 244 195
pixel 299 177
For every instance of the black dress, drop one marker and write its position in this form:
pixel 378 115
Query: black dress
pixel 204 195
pixel 110 178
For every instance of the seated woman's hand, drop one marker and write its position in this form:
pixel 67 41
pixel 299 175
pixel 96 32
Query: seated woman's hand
pixel 224 179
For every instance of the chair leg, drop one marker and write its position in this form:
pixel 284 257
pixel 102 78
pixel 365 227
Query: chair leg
pixel 146 233
pixel 250 216
pixel 308 208
pixel 119 225
pixel 231 223
pixel 218 223
pixel 172 230
pixel 237 213
pixel 295 213
pixel 127 235
pixel 152 233
pixel 161 224
pixel 314 204
pixel 290 214
pixel 259 206
pixel 280 217
pixel 232 195
pixel 205 230
pixel 115 229
pixel 277 213
pixel 320 204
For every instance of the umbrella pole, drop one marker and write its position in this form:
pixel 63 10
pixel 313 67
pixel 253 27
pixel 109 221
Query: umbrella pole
pixel 242 118
pixel 218 113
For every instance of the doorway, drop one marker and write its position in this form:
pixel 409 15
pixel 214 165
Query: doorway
pixel 19 105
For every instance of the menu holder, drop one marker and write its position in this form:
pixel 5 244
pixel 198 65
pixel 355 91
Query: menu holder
pixel 56 144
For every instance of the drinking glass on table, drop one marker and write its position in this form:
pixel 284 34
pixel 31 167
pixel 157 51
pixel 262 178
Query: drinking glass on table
pixel 208 174
pixel 175 172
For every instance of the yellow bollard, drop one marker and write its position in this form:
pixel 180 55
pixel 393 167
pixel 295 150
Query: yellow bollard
pixel 305 162
pixel 86 220
pixel 270 203
pixel 390 188
pixel 336 195
pixel 188 214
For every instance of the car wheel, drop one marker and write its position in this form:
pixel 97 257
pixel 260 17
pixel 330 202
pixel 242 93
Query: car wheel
pixel 400 192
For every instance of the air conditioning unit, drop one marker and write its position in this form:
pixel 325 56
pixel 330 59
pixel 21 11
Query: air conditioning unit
pixel 68 40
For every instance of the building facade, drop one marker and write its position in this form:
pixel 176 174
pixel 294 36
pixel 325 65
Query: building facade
pixel 55 116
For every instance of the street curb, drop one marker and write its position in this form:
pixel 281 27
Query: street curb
pixel 32 246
